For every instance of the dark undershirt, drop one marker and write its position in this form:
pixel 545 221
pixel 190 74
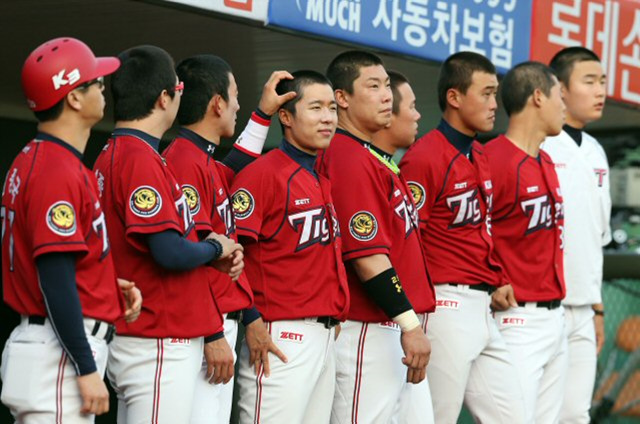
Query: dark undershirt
pixel 574 133
pixel 460 141
pixel 303 159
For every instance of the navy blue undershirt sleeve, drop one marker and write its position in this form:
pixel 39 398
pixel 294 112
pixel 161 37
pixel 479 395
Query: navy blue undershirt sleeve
pixel 249 315
pixel 171 251
pixel 237 160
pixel 57 272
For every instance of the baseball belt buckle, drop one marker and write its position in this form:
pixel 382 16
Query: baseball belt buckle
pixel 235 315
pixel 329 322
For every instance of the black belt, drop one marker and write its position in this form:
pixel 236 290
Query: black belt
pixel 549 304
pixel 235 315
pixel 108 335
pixel 480 287
pixel 329 322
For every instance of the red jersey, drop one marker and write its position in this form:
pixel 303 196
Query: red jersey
pixel 528 220
pixel 50 204
pixel 453 195
pixel 294 267
pixel 375 205
pixel 204 184
pixel 142 197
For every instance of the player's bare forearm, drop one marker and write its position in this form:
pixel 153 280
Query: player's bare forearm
pixel 219 359
pixel 368 267
pixel 94 394
pixel 260 344
pixel 598 324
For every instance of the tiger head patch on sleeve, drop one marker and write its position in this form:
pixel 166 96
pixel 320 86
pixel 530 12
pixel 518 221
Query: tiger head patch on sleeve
pixel 61 219
pixel 243 204
pixel 193 198
pixel 363 226
pixel 145 201
pixel 417 192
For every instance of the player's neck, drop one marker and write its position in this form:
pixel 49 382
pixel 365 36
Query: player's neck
pixel 524 132
pixel 155 124
pixel 383 140
pixel 574 122
pixel 76 135
pixel 454 120
pixel 205 130
pixel 347 124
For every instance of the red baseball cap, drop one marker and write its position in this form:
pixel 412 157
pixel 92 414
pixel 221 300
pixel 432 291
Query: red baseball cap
pixel 57 67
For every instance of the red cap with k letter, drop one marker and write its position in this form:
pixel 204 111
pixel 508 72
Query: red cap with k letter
pixel 59 66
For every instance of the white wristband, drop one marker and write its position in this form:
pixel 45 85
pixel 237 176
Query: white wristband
pixel 407 320
pixel 253 137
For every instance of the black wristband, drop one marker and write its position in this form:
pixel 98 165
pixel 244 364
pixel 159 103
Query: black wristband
pixel 262 115
pixel 386 291
pixel 214 337
pixel 217 246
pixel 599 312
pixel 249 315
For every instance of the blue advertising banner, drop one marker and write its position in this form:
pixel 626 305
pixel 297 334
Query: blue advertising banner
pixel 430 29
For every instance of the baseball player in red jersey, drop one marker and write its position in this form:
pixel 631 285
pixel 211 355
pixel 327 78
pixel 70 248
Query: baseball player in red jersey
pixel 206 184
pixel 154 363
pixel 287 222
pixel 382 344
pixel 527 226
pixel 583 173
pixel 57 270
pixel 452 187
pixel 415 402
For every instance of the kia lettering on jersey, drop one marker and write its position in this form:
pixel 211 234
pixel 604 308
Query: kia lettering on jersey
pixel 466 208
pixel 312 227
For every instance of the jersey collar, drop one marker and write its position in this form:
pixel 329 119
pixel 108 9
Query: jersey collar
pixel 48 137
pixel 367 144
pixel 574 133
pixel 303 159
pixel 460 141
pixel 200 142
pixel 147 138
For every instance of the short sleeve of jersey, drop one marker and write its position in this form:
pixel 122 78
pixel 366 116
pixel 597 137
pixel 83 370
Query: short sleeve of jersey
pixel 361 196
pixel 148 200
pixel 421 181
pixel 53 218
pixel 250 203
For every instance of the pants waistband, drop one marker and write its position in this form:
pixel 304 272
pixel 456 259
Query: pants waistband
pixel 235 315
pixel 485 287
pixel 96 328
pixel 549 304
pixel 328 322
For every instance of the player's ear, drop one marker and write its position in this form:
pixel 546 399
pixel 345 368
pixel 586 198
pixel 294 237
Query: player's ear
pixel 538 97
pixel 217 105
pixel 163 100
pixel 342 98
pixel 285 117
pixel 453 98
pixel 73 99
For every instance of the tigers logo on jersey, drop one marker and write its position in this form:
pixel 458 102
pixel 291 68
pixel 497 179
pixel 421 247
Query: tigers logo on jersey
pixel 363 226
pixel 417 192
pixel 61 218
pixel 243 203
pixel 193 198
pixel 145 201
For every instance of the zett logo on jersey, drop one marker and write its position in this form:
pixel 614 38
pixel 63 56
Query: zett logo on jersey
pixel 466 208
pixel 145 201
pixel 193 198
pixel 312 226
pixel 447 304
pixel 513 321
pixel 417 192
pixel 363 226
pixel 243 204
pixel 61 219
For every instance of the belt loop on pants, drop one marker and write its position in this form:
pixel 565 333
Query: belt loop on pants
pixel 329 322
pixel 549 304
pixel 235 315
pixel 485 287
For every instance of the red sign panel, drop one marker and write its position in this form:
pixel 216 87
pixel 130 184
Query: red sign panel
pixel 611 28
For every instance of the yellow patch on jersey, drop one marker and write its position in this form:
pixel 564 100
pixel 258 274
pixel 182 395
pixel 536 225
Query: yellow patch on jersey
pixel 193 198
pixel 145 201
pixel 417 192
pixel 363 226
pixel 61 219
pixel 243 204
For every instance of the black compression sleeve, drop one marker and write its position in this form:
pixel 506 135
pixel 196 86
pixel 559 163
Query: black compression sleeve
pixel 386 291
pixel 171 251
pixel 57 272
pixel 238 160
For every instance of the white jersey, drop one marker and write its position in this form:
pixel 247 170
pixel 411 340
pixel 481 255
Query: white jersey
pixel 583 173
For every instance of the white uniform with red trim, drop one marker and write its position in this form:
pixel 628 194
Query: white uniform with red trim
pixel 583 173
